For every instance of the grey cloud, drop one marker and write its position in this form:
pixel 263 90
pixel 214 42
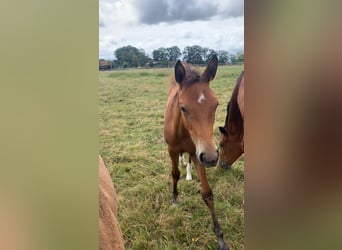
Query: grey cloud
pixel 236 9
pixel 188 35
pixel 151 11
pixel 102 23
pixel 191 10
pixel 113 42
pixel 157 11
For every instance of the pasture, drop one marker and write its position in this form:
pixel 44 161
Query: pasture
pixel 131 107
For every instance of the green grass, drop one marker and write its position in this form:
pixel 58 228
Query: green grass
pixel 131 106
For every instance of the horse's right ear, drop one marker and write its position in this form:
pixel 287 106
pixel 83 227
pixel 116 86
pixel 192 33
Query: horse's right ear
pixel 210 71
pixel 223 130
pixel 179 72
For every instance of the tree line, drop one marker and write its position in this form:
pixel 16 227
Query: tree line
pixel 129 56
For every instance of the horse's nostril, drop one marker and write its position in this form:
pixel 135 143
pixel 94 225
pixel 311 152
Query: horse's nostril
pixel 208 161
pixel 201 157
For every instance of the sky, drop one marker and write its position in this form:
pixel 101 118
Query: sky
pixel 151 24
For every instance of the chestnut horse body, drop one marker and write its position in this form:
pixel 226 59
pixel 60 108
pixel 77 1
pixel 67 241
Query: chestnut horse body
pixel 110 235
pixel 231 138
pixel 188 127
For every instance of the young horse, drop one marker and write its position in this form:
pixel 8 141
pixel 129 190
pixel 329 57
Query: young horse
pixel 231 138
pixel 110 235
pixel 188 127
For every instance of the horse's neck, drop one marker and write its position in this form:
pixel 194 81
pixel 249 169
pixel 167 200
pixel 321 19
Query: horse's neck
pixel 235 120
pixel 241 97
pixel 235 128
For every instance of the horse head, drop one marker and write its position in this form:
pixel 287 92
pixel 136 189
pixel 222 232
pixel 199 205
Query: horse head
pixel 197 104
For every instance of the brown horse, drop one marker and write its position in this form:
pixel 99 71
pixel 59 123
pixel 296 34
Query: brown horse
pixel 188 127
pixel 231 138
pixel 110 235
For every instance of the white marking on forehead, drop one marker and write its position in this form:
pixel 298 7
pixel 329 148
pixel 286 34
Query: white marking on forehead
pixel 201 98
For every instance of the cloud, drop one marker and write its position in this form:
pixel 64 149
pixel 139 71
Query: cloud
pixel 117 12
pixel 102 23
pixel 154 12
pixel 150 11
pixel 230 8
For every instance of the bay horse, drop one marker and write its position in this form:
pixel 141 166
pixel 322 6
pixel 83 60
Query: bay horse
pixel 231 136
pixel 110 235
pixel 188 127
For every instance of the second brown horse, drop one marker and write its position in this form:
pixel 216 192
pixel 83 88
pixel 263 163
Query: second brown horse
pixel 232 134
pixel 188 127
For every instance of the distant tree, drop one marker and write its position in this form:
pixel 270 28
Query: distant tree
pixel 194 54
pixel 143 58
pixel 129 56
pixel 173 53
pixel 115 64
pixel 125 65
pixel 238 58
pixel 223 56
pixel 150 63
pixel 164 62
pixel 233 59
pixel 134 60
pixel 159 54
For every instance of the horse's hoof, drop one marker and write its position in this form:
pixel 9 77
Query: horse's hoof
pixel 174 203
pixel 223 246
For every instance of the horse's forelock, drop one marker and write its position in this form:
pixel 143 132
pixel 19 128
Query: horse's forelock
pixel 192 75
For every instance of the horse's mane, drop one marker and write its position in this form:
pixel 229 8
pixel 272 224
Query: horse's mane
pixel 234 122
pixel 192 75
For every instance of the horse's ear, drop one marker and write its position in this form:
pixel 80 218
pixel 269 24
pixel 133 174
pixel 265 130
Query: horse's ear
pixel 223 130
pixel 228 107
pixel 210 71
pixel 179 72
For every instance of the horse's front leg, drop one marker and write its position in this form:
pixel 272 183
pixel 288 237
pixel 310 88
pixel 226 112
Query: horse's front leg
pixel 208 198
pixel 175 174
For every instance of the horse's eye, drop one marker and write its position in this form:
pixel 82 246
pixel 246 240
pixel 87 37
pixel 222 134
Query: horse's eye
pixel 183 109
pixel 223 130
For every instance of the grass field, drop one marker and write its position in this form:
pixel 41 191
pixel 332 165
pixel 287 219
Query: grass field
pixel 131 106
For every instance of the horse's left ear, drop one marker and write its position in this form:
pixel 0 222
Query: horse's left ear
pixel 179 72
pixel 210 71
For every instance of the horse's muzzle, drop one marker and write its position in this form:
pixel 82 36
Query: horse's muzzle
pixel 208 161
pixel 225 165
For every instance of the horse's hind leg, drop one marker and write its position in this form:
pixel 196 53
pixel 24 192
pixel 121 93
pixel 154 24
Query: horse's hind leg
pixel 181 160
pixel 175 174
pixel 208 198
pixel 188 170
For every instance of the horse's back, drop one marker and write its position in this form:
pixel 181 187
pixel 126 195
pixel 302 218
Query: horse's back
pixel 110 235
